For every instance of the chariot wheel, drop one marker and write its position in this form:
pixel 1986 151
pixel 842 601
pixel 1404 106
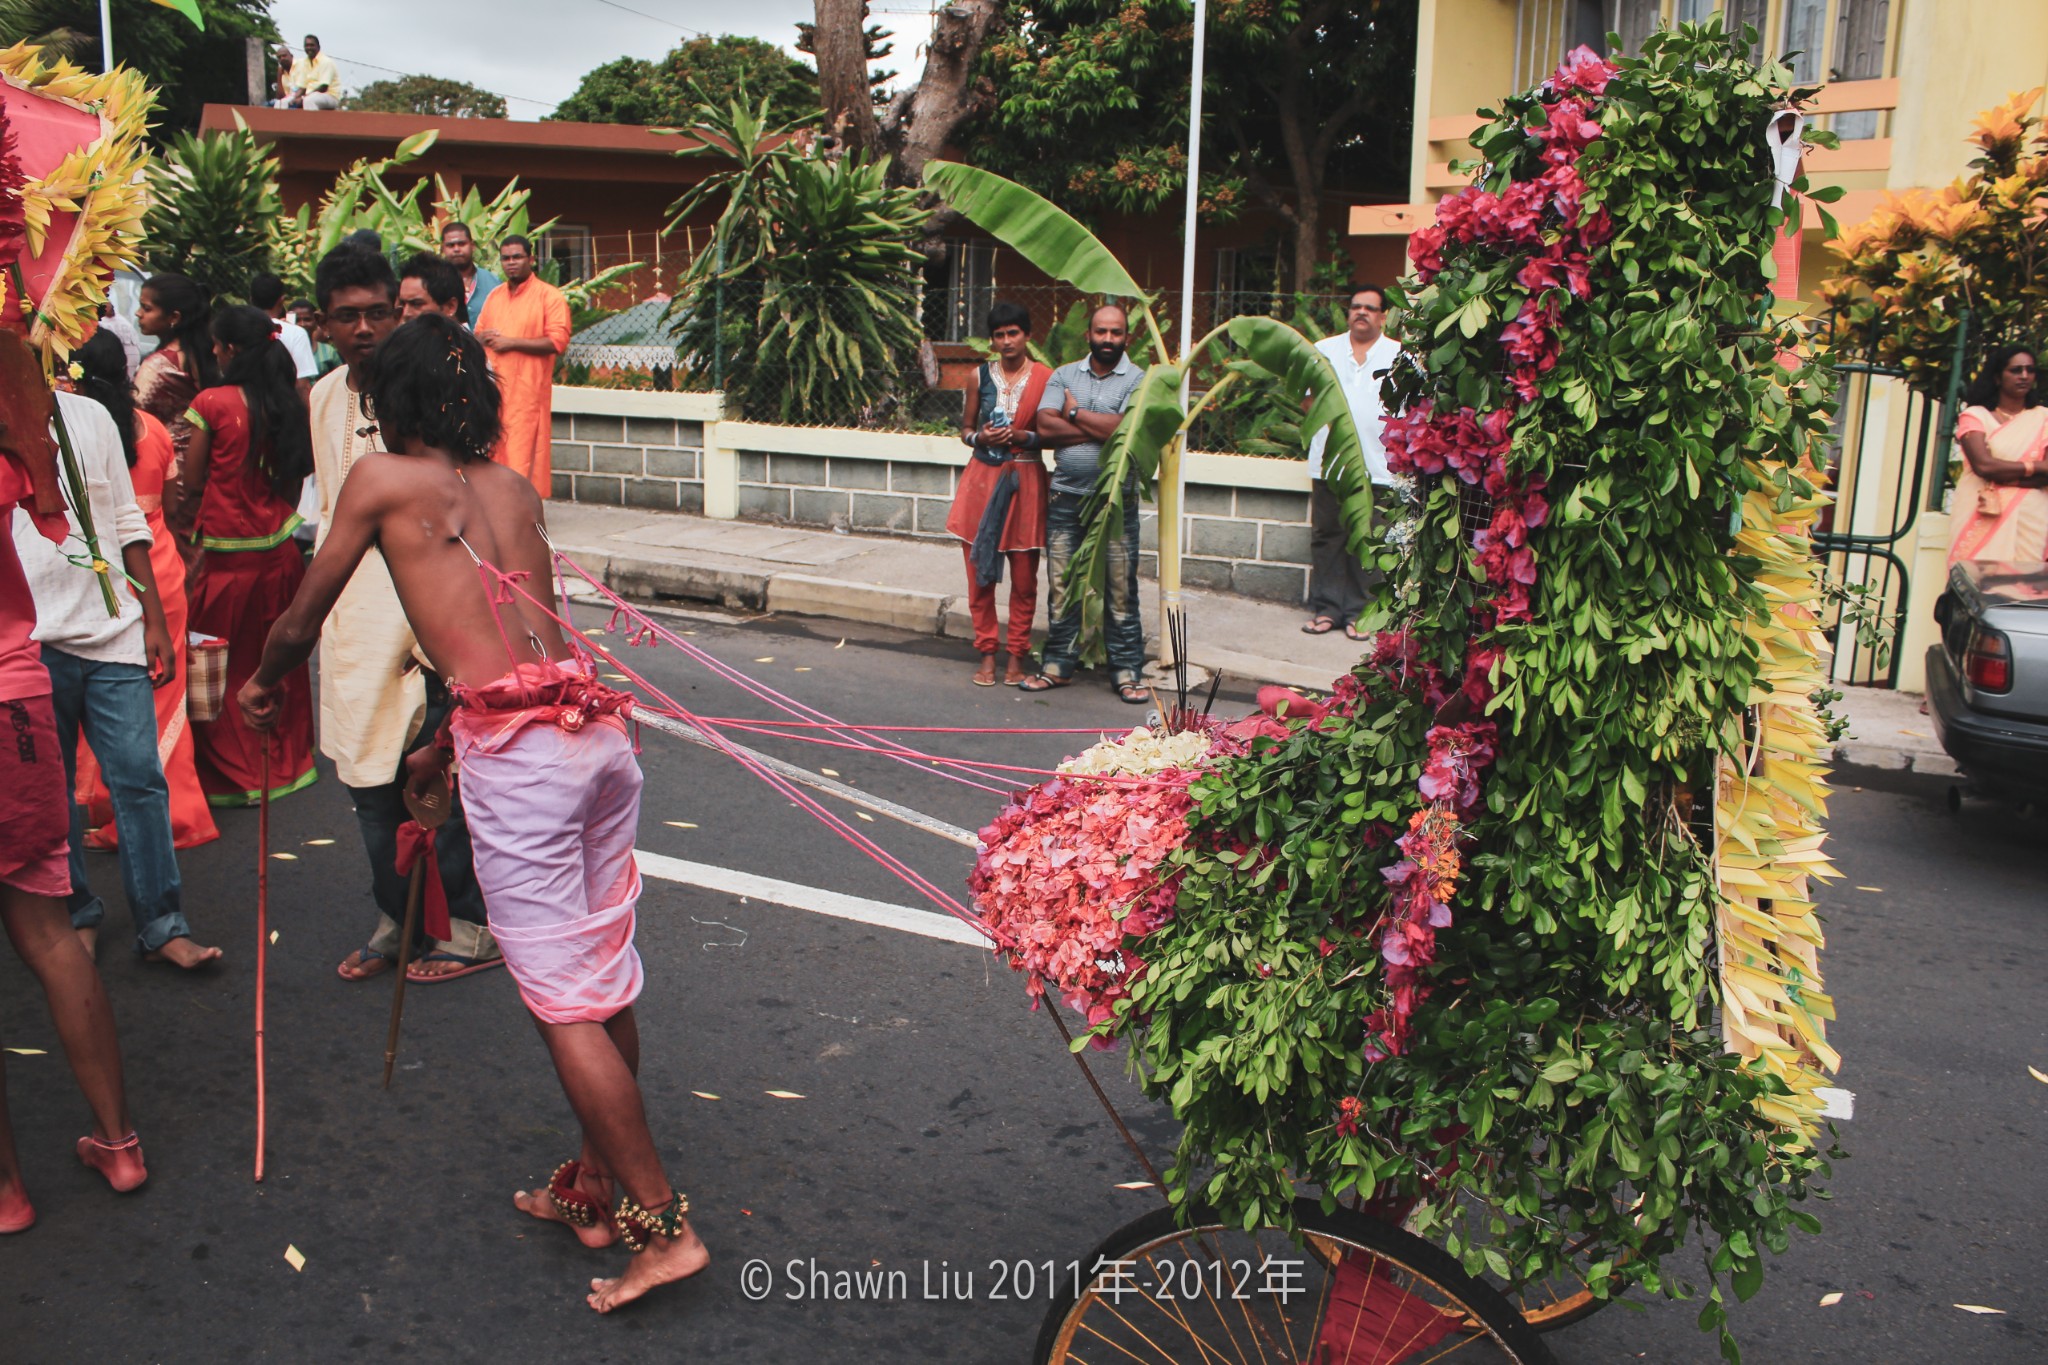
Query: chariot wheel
pixel 1344 1290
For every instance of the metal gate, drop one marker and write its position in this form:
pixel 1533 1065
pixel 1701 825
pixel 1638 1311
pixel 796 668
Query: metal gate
pixel 1890 462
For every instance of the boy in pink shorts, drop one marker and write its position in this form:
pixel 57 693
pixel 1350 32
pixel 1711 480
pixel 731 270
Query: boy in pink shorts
pixel 548 776
pixel 35 817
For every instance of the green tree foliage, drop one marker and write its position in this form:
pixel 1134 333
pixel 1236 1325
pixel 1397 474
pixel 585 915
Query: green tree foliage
pixel 427 95
pixel 189 68
pixel 213 199
pixel 633 90
pixel 1303 99
pixel 804 307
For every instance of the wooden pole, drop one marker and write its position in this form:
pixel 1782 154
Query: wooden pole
pixel 262 930
pixel 415 892
pixel 429 810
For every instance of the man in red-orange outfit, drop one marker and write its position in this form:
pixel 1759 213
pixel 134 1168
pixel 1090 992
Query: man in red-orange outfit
pixel 525 325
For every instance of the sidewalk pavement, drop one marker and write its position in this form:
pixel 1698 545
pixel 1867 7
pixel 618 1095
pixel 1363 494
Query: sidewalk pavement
pixel 1887 730
pixel 915 585
pixel 920 585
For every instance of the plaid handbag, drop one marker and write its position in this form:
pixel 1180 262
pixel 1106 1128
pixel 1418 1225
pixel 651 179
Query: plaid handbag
pixel 206 676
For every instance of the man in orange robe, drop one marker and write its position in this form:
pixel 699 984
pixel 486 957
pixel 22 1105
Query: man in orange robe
pixel 525 325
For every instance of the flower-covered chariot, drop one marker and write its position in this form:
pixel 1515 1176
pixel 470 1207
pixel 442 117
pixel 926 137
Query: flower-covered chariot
pixel 1483 984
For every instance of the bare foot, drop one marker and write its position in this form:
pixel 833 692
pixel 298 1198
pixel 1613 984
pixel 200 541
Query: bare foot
pixel 16 1213
pixel 183 952
pixel 537 1203
pixel 664 1262
pixel 91 939
pixel 1015 674
pixel 120 1162
pixel 985 676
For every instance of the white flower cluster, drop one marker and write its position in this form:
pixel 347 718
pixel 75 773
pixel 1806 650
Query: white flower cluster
pixel 1141 754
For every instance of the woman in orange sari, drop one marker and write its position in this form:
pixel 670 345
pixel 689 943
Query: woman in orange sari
pixel 2001 500
pixel 102 375
pixel 250 453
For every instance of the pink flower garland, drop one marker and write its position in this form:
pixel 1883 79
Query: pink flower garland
pixel 1071 874
pixel 1544 220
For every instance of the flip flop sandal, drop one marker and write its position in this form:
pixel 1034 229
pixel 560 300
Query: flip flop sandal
pixel 1354 633
pixel 1044 682
pixel 470 966
pixel 1132 694
pixel 363 957
pixel 1318 625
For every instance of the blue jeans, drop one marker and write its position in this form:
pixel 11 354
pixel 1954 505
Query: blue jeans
pixel 113 705
pixel 1123 631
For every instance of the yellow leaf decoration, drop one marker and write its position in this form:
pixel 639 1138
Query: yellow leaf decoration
pixel 102 183
pixel 1770 800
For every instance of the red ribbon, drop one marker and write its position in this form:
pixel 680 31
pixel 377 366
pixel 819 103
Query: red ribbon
pixel 414 842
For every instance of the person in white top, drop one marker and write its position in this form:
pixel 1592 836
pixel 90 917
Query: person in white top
pixel 266 291
pixel 102 669
pixel 1362 355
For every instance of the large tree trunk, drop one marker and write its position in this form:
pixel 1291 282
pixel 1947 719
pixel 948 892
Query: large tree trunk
pixel 922 118
pixel 839 43
pixel 946 94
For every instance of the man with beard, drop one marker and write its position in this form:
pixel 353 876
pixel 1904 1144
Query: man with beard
pixel 378 702
pixel 1083 405
pixel 525 325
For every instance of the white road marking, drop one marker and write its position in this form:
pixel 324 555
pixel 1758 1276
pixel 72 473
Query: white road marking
pixel 838 905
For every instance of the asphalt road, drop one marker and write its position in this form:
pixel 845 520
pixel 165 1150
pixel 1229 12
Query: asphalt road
pixel 940 1124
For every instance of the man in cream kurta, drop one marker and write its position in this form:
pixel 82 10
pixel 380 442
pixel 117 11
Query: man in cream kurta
pixel 378 701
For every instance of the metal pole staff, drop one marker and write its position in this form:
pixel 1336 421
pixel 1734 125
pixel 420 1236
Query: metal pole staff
pixel 1172 475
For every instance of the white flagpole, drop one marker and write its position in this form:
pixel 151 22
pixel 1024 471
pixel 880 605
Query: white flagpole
pixel 106 35
pixel 1172 476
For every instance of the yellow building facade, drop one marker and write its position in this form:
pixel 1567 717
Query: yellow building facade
pixel 1902 81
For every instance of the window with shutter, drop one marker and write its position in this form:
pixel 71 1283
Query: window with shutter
pixel 1860 28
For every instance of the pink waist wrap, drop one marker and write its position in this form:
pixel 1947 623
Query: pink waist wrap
pixel 553 803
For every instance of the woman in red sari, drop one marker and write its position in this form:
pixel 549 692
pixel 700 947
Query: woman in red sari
pixel 102 375
pixel 998 510
pixel 250 451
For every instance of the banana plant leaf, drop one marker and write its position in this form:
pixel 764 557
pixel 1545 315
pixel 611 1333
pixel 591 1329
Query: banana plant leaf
pixel 1039 230
pixel 1130 461
pixel 1306 373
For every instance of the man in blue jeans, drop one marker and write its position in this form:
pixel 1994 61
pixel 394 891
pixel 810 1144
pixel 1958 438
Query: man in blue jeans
pixel 102 670
pixel 1083 405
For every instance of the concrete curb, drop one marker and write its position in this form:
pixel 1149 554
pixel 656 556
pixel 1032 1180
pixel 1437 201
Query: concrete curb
pixel 799 594
pixel 1856 754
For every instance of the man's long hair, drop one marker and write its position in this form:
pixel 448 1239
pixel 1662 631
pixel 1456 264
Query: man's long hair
pixel 432 383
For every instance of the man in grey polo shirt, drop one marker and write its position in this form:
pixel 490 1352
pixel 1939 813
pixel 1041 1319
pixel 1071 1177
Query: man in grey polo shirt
pixel 1083 405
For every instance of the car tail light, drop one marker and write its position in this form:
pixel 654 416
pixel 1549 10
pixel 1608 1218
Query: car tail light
pixel 1988 663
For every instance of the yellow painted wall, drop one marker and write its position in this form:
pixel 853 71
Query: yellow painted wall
pixel 1464 60
pixel 1955 59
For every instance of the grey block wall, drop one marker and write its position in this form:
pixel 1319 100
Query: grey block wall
pixel 1246 540
pixel 650 463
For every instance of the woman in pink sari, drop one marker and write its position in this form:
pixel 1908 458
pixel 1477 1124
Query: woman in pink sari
pixel 2000 508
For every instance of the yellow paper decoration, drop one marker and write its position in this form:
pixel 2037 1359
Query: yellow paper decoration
pixel 101 182
pixel 1770 801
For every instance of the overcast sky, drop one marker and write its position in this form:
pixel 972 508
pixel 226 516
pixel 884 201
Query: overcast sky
pixel 533 52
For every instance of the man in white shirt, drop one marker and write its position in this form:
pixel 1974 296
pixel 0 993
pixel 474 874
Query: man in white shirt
pixel 102 669
pixel 1361 354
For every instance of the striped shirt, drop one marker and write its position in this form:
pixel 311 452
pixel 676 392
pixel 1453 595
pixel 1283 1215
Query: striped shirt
pixel 1075 467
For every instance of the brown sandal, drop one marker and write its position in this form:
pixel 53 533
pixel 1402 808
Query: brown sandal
pixel 1044 682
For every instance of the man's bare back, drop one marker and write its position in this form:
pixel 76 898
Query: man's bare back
pixel 419 507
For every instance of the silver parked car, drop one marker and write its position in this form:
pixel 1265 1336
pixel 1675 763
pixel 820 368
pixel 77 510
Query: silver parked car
pixel 1987 681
